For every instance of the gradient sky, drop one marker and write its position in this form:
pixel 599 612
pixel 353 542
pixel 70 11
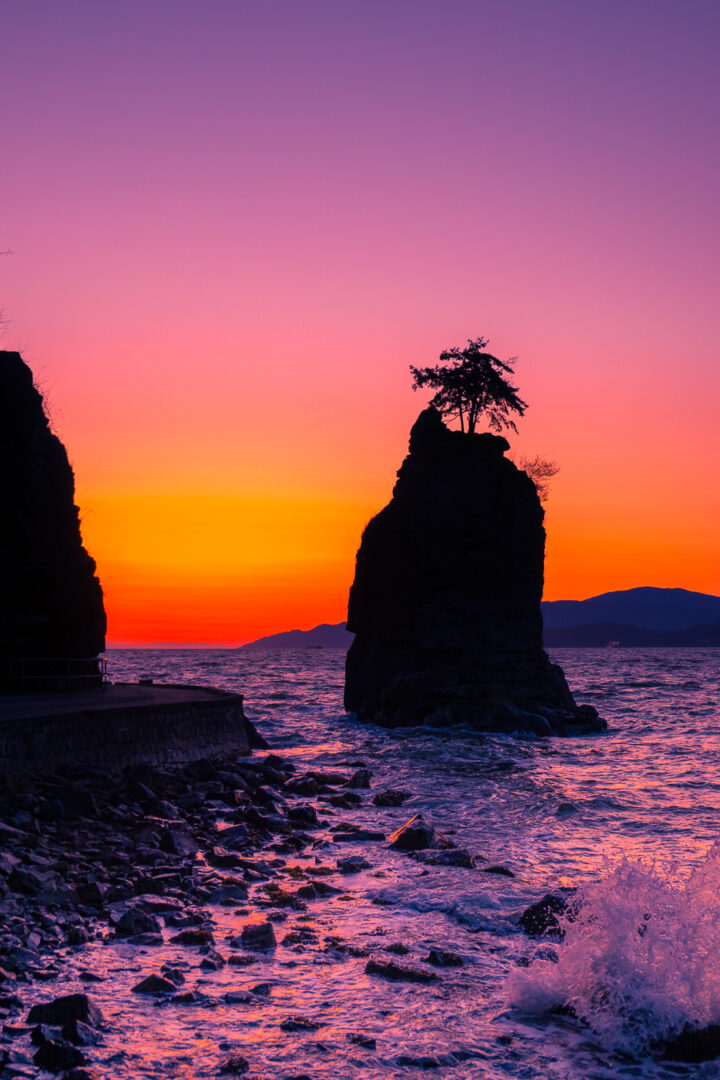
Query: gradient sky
pixel 234 225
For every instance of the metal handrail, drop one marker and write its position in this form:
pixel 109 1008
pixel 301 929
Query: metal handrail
pixel 58 675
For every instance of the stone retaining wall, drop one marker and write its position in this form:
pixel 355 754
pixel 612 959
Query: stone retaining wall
pixel 111 738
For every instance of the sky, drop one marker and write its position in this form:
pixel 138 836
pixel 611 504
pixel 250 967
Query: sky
pixel 235 225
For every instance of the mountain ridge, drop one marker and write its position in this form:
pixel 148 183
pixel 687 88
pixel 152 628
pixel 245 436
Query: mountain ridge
pixel 672 617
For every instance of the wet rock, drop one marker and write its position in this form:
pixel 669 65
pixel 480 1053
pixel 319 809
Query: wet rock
pixel 414 835
pixel 283 897
pixel 353 834
pixel 64 1009
pixel 188 997
pixel 541 917
pixel 194 935
pixel 77 935
pixel 174 974
pixel 303 815
pixel 347 800
pixel 391 797
pixel 90 976
pixel 328 779
pixel 693 1045
pixel 212 960
pixel 503 871
pixel 262 989
pixel 360 779
pixel 235 1065
pixel 451 857
pixel 240 959
pixel 426 1062
pixel 353 864
pixel 302 785
pixel 26 881
pixel 177 839
pixel 358 1039
pixel 56 1055
pixel 155 984
pixel 441 958
pixel 258 936
pixel 136 921
pixel 230 893
pixel 43 1033
pixel 228 860
pixel 299 1023
pixel 398 972
pixel 234 837
pixel 566 810
pixel 144 939
pixel 234 997
pixel 397 948
pixel 80 1034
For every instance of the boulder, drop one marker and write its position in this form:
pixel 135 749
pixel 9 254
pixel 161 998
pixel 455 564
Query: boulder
pixel 258 936
pixel 542 917
pixel 56 1056
pixel 445 605
pixel 414 835
pixel 155 985
pixel 398 972
pixel 62 1010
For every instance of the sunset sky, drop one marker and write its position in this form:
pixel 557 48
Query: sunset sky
pixel 234 225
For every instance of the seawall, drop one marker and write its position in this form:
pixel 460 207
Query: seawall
pixel 122 724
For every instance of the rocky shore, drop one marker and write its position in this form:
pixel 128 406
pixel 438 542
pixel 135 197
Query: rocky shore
pixel 152 859
pixel 145 857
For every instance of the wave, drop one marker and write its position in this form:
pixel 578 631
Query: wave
pixel 639 960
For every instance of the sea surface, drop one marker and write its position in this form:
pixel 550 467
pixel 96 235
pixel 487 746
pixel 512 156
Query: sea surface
pixel 629 817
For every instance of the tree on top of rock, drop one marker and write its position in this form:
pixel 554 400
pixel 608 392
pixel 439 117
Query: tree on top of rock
pixel 469 382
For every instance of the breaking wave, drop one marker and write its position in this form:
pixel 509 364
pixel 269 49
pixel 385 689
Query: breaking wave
pixel 640 960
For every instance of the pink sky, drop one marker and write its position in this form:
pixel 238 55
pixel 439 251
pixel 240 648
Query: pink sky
pixel 234 227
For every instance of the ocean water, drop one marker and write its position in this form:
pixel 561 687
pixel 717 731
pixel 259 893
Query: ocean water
pixel 630 818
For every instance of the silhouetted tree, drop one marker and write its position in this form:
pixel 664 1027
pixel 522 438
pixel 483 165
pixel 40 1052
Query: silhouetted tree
pixel 541 471
pixel 469 382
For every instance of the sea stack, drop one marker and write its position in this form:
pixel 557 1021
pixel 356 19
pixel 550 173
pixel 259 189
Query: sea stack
pixel 51 602
pixel 445 605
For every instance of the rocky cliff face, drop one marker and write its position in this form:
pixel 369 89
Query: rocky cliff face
pixel 51 602
pixel 445 604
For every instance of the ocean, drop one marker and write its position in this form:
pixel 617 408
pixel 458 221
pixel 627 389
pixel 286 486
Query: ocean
pixel 630 818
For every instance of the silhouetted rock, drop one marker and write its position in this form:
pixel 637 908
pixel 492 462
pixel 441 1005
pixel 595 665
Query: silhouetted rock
pixel 414 835
pixel 694 1044
pixel 64 1009
pixel 445 605
pixel 51 603
pixel 542 917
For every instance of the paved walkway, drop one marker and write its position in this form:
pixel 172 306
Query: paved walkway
pixel 114 696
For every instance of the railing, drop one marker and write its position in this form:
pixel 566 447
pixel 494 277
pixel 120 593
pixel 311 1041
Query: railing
pixel 45 673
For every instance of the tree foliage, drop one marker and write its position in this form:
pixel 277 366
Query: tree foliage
pixel 541 471
pixel 470 382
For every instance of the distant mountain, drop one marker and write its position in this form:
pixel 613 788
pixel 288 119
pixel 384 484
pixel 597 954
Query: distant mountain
pixel 325 636
pixel 656 609
pixel 602 633
pixel 642 617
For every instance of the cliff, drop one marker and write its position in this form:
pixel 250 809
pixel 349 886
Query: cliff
pixel 51 602
pixel 445 605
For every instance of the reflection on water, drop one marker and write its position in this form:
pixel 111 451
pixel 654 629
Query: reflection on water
pixel 552 811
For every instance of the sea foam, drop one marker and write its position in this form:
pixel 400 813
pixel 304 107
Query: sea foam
pixel 640 960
